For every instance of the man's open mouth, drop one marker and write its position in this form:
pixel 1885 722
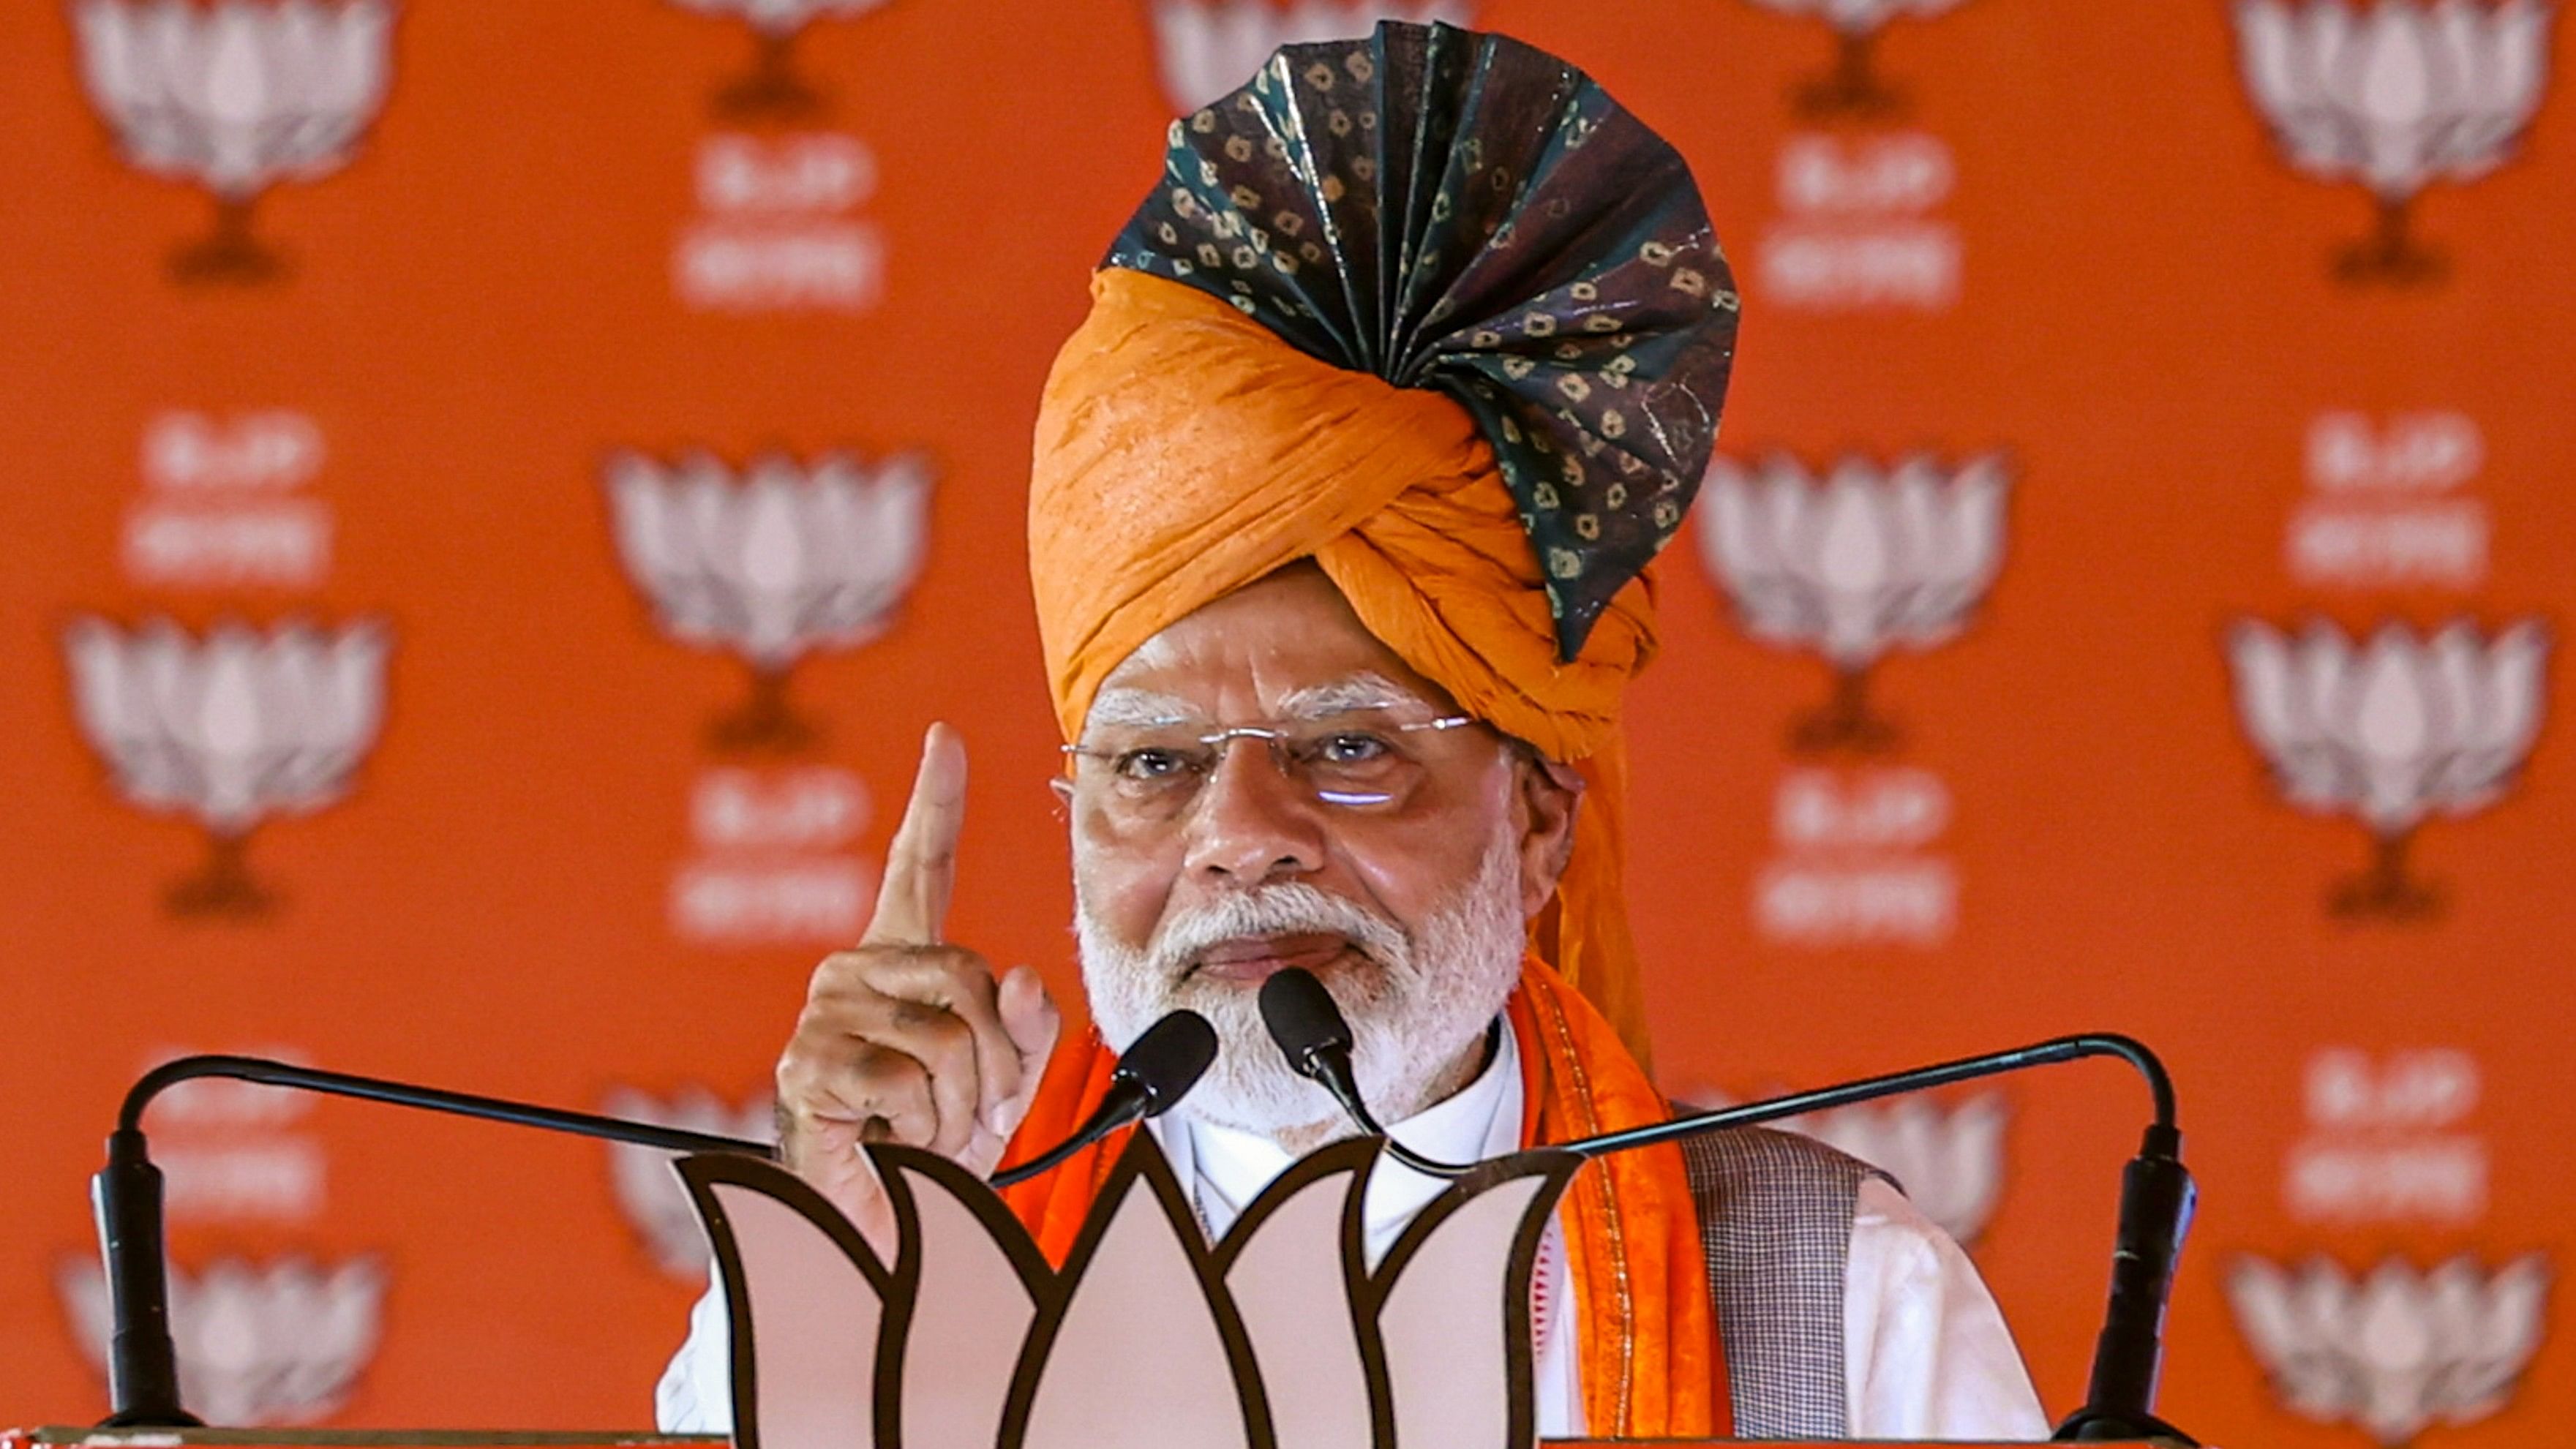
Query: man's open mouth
pixel 1255 959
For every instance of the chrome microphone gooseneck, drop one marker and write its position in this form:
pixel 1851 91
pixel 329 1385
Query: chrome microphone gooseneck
pixel 125 1195
pixel 143 1378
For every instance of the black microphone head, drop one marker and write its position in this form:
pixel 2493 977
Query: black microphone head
pixel 1303 1019
pixel 1169 1058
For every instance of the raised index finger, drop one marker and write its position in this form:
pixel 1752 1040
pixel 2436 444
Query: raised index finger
pixel 921 866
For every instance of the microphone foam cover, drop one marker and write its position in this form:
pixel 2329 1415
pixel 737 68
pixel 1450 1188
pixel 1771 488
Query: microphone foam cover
pixel 1169 1058
pixel 1302 1017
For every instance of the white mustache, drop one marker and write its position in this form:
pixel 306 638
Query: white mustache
pixel 1277 910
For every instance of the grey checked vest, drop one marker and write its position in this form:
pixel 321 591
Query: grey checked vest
pixel 1775 1219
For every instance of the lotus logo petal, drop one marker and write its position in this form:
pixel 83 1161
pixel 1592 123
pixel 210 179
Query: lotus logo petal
pixel 1949 1159
pixel 773 90
pixel 1865 560
pixel 1206 48
pixel 2401 1350
pixel 2393 731
pixel 229 728
pixel 259 1343
pixel 235 96
pixel 652 1200
pixel 1280 1334
pixel 1853 87
pixel 2394 95
pixel 771 563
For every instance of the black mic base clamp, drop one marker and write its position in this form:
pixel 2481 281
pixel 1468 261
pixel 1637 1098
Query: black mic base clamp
pixel 142 1363
pixel 2156 1201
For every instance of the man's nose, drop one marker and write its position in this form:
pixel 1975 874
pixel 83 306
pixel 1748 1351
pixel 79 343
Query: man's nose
pixel 1251 823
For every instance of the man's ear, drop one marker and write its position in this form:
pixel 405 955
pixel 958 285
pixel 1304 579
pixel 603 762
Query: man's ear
pixel 1550 796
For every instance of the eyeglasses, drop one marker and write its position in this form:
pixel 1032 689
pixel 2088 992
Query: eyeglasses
pixel 1354 760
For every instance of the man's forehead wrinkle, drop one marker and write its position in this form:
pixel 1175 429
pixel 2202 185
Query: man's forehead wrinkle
pixel 1154 653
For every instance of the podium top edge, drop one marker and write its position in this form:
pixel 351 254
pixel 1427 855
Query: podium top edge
pixel 76 1436
pixel 64 1436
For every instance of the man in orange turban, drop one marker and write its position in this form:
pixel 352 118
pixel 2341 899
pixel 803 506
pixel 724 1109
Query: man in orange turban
pixel 1339 526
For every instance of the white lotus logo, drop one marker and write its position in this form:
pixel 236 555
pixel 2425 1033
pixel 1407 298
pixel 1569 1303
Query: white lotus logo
pixel 1864 561
pixel 2398 1352
pixel 230 728
pixel 235 96
pixel 1853 87
pixel 771 564
pixel 2395 95
pixel 773 90
pixel 1279 1334
pixel 1948 1159
pixel 2393 731
pixel 275 1343
pixel 653 1201
pixel 1209 47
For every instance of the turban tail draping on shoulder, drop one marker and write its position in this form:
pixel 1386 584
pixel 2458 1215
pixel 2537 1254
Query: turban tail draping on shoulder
pixel 1430 310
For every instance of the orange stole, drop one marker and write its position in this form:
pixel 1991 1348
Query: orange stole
pixel 1647 1343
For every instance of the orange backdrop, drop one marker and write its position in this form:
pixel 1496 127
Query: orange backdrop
pixel 589 851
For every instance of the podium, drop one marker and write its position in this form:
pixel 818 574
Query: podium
pixel 1283 1334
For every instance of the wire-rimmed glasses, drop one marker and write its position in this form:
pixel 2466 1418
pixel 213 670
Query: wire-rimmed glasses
pixel 1356 760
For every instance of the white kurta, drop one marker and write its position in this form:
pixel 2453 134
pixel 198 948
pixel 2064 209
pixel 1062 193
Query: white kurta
pixel 1926 1353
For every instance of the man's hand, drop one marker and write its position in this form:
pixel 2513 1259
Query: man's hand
pixel 907 1039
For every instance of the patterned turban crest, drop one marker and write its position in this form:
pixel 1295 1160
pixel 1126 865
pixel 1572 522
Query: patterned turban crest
pixel 1458 211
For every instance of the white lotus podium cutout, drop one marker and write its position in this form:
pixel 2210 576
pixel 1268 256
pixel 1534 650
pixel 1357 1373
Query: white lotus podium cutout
pixel 1280 1334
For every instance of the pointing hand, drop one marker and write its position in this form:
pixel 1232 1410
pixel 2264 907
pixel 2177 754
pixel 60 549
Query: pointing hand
pixel 907 1038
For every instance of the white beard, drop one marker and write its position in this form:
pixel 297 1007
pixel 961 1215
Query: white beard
pixel 1416 1007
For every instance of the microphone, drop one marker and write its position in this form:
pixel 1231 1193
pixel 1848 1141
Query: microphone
pixel 1309 1027
pixel 142 1365
pixel 1153 1074
pixel 2156 1194
pixel 1315 1038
